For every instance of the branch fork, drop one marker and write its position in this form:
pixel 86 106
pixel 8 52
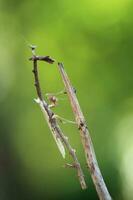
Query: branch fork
pixel 51 119
pixel 59 136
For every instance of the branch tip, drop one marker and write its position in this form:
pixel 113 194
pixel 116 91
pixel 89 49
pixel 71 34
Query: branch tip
pixel 60 65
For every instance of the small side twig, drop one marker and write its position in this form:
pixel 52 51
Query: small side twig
pixel 57 133
pixel 95 172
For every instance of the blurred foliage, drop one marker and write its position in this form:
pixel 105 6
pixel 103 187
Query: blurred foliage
pixel 94 39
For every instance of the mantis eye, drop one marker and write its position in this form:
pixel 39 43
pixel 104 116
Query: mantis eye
pixel 33 47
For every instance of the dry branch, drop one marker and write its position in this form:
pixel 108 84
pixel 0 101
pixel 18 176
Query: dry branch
pixel 92 164
pixel 47 59
pixel 57 133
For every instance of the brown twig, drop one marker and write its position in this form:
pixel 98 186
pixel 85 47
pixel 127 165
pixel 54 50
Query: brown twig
pixel 59 137
pixel 96 175
pixel 47 59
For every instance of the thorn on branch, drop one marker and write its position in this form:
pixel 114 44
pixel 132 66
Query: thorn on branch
pixel 74 90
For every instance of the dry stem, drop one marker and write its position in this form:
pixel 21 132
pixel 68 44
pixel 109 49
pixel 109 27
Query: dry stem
pixel 52 121
pixel 96 175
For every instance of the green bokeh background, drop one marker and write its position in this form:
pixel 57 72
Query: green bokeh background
pixel 94 39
